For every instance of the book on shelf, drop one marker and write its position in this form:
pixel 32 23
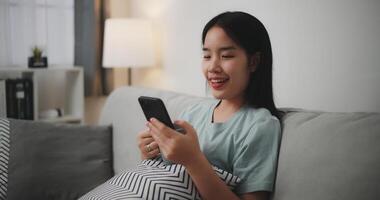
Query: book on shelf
pixel 3 100
pixel 19 98
pixel 29 108
pixel 10 99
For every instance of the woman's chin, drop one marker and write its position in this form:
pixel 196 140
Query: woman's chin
pixel 218 94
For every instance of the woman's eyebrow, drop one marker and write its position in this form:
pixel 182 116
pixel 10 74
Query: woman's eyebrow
pixel 221 49
pixel 227 48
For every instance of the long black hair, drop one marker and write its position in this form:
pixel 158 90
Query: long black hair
pixel 250 34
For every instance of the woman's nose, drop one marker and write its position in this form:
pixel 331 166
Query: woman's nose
pixel 214 65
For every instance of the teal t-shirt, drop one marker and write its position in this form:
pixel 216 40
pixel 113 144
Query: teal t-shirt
pixel 246 145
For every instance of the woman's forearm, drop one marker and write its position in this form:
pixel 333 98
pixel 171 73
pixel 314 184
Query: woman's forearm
pixel 208 183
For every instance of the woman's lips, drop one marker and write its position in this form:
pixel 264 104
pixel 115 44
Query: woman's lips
pixel 217 84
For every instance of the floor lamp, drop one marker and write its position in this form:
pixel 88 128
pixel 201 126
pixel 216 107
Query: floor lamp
pixel 128 43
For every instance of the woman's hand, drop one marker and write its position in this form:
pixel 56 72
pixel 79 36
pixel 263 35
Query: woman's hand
pixel 148 147
pixel 177 147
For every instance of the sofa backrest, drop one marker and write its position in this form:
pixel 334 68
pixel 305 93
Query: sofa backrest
pixel 330 156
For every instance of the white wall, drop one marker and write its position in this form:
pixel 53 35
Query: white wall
pixel 326 53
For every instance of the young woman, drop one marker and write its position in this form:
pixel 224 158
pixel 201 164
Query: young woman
pixel 240 131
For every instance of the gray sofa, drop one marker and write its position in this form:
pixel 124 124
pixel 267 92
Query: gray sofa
pixel 329 156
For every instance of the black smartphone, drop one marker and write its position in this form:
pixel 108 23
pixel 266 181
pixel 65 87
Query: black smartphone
pixel 155 107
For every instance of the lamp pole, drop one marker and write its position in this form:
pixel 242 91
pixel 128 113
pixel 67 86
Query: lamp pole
pixel 129 76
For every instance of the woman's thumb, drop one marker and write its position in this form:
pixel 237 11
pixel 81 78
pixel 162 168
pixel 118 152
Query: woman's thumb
pixel 183 124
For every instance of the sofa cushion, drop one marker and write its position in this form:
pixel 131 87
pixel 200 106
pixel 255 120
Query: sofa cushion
pixel 330 156
pixel 57 161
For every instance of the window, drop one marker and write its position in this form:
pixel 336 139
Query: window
pixel 48 24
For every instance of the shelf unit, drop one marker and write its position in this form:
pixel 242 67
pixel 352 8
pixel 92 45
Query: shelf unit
pixel 54 87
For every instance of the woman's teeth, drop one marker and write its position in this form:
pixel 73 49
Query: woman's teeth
pixel 218 80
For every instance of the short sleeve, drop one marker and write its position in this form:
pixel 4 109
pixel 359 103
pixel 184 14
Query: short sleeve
pixel 255 162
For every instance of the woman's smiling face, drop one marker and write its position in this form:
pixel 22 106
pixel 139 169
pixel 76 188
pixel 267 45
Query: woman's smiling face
pixel 225 65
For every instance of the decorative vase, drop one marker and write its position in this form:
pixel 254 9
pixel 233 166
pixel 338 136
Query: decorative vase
pixel 34 62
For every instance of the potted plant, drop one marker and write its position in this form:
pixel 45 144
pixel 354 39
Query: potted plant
pixel 37 60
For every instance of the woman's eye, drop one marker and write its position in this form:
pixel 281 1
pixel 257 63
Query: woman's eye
pixel 227 56
pixel 206 57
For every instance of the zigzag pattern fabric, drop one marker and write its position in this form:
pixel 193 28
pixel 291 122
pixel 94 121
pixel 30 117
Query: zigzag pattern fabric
pixel 4 157
pixel 153 180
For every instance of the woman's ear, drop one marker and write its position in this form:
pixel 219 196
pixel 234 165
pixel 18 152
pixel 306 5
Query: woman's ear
pixel 254 61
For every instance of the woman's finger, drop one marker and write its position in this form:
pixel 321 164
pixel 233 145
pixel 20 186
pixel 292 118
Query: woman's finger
pixel 157 136
pixel 160 127
pixel 144 134
pixel 154 153
pixel 144 141
pixel 151 149
pixel 153 145
pixel 147 140
pixel 185 125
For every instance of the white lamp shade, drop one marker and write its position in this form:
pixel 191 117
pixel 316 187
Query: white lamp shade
pixel 128 43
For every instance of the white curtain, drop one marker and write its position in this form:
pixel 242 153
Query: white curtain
pixel 48 24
